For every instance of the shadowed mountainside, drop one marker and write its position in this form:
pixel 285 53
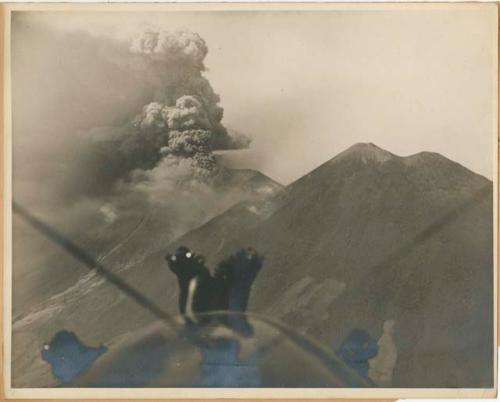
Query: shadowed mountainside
pixel 370 237
pixel 400 247
pixel 58 291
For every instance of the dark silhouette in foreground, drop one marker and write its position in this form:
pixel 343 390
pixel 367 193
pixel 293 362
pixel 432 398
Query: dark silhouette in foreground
pixel 228 289
pixel 218 345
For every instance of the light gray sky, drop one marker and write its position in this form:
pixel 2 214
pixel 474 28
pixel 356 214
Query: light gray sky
pixel 306 85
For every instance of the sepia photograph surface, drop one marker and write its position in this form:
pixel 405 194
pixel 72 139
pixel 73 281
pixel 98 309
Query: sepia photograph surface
pixel 251 199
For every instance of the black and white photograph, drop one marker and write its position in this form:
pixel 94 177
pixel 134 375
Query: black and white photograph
pixel 261 198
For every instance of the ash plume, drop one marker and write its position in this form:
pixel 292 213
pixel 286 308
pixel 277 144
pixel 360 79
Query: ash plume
pixel 127 123
pixel 181 123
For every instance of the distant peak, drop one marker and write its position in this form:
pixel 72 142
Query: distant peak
pixel 366 151
pixel 365 146
pixel 424 157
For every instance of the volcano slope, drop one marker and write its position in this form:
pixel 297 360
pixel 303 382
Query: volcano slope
pixel 65 295
pixel 370 240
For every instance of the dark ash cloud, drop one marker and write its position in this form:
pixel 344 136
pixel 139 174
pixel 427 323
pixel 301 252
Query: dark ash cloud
pixel 106 108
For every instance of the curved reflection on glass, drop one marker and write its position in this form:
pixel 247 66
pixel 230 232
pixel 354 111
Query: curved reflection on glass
pixel 227 350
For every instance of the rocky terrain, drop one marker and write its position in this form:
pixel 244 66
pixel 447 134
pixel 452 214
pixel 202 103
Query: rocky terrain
pixel 55 291
pixel 370 238
pixel 399 247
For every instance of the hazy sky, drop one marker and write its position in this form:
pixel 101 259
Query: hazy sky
pixel 306 85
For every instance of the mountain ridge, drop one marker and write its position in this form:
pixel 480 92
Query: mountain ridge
pixel 98 312
pixel 341 246
pixel 348 237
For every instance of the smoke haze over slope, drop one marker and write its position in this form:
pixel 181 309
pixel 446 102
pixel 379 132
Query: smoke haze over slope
pixel 120 141
pixel 105 131
pixel 136 104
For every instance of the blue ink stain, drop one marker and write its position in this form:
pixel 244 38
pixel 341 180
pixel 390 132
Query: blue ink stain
pixel 68 356
pixel 357 349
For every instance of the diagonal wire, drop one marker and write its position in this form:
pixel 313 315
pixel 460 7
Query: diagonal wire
pixel 143 301
pixel 92 264
pixel 435 227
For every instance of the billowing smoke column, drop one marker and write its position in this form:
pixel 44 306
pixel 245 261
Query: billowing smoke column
pixel 182 123
pixel 190 133
pixel 185 104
